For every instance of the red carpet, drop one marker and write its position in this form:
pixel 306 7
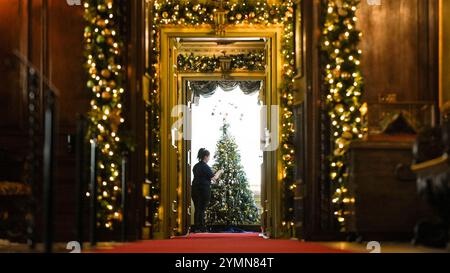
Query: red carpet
pixel 220 243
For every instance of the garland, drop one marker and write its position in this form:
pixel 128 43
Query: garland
pixel 254 61
pixel 344 82
pixel 186 13
pixel 103 49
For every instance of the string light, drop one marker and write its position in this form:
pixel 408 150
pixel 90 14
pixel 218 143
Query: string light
pixel 253 61
pixel 344 81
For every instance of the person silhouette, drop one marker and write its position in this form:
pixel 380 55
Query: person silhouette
pixel 201 188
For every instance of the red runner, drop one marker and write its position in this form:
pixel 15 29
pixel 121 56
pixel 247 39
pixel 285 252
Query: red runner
pixel 220 243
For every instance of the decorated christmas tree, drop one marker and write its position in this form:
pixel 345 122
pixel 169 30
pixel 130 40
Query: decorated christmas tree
pixel 232 201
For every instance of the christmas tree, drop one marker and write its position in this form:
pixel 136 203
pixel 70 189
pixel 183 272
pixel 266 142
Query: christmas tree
pixel 232 201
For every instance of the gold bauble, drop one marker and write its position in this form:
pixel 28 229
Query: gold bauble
pixel 101 23
pixel 339 108
pixel 342 12
pixel 106 73
pixel 106 95
pixel 101 8
pixel 347 135
pixel 287 157
pixel 90 84
pixel 100 39
pixel 92 70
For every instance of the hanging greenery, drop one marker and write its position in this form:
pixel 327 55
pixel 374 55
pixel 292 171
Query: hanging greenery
pixel 344 82
pixel 187 13
pixel 103 47
pixel 254 61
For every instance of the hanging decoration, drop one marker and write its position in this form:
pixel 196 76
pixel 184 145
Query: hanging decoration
pixel 344 82
pixel 241 12
pixel 253 61
pixel 103 48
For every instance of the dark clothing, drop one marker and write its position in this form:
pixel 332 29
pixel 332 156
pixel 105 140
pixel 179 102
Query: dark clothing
pixel 201 193
pixel 202 174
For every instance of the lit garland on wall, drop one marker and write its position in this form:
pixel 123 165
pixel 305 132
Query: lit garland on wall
pixel 186 13
pixel 103 53
pixel 344 82
pixel 253 61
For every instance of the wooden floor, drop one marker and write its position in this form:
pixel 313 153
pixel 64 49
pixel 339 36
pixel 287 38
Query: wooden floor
pixel 386 247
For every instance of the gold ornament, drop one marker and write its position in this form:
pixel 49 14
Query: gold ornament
pixel 106 95
pixel 347 135
pixel 106 73
pixel 92 70
pixel 101 8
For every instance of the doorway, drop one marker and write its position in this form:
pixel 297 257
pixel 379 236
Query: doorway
pixel 175 207
pixel 226 119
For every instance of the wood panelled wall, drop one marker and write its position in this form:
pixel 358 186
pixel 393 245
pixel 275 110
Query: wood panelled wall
pixel 48 33
pixel 400 49
pixel 12 94
pixel 400 55
pixel 444 52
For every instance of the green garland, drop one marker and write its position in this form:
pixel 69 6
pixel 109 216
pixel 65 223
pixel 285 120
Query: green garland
pixel 241 12
pixel 186 13
pixel 254 61
pixel 344 82
pixel 103 52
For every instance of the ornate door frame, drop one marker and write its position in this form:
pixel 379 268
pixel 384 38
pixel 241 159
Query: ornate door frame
pixel 171 207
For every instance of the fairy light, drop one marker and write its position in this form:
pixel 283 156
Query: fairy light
pixel 103 50
pixel 253 61
pixel 344 81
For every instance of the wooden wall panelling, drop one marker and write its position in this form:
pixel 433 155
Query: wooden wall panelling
pixel 49 34
pixel 136 113
pixel 399 49
pixel 311 91
pixel 63 61
pixel 444 52
pixel 12 96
